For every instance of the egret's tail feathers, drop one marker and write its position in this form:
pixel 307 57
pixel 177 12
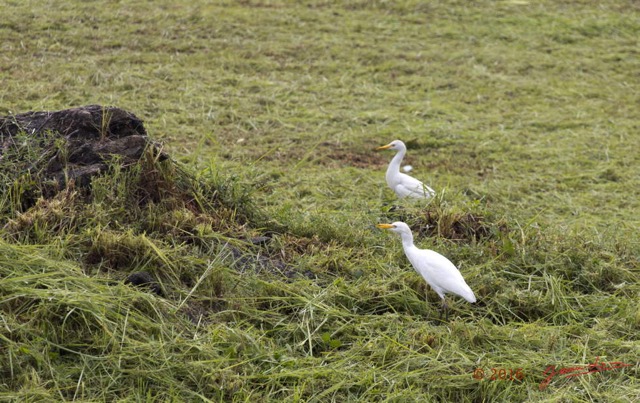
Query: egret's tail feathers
pixel 468 295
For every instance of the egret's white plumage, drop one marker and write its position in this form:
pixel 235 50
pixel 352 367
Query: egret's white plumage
pixel 402 184
pixel 438 271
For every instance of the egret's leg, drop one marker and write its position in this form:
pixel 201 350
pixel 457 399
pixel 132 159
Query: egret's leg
pixel 445 309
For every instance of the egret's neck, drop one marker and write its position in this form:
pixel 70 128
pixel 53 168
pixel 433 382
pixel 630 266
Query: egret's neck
pixel 407 240
pixel 394 166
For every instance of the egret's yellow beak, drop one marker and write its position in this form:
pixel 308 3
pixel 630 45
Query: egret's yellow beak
pixel 384 147
pixel 385 226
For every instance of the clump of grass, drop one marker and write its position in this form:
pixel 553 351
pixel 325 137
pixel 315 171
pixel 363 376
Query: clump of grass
pixel 459 221
pixel 24 160
pixel 48 217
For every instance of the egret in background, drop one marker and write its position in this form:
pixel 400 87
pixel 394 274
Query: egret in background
pixel 442 275
pixel 402 184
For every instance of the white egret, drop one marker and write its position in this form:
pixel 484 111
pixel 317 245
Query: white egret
pixel 438 271
pixel 402 184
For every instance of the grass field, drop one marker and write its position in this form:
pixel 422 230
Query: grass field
pixel 522 115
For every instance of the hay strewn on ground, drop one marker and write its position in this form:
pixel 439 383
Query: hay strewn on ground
pixel 260 229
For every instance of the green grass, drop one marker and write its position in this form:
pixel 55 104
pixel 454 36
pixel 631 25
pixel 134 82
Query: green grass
pixel 522 115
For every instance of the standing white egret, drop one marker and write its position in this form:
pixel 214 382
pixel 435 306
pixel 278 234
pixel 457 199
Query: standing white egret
pixel 438 271
pixel 402 184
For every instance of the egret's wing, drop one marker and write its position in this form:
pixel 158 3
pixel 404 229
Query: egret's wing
pixel 411 187
pixel 440 273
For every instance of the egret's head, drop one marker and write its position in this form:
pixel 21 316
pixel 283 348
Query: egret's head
pixel 394 145
pixel 398 227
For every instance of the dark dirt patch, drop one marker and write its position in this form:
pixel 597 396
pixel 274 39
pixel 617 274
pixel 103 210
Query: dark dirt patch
pixel 359 160
pixel 144 280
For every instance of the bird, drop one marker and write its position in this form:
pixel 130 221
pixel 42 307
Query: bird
pixel 438 271
pixel 402 184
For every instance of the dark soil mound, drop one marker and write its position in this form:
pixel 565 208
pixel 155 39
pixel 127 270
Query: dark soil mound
pixel 72 144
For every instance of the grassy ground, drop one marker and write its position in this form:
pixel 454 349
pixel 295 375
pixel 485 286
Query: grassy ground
pixel 522 115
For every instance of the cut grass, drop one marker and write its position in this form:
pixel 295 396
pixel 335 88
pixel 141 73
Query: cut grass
pixel 262 235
